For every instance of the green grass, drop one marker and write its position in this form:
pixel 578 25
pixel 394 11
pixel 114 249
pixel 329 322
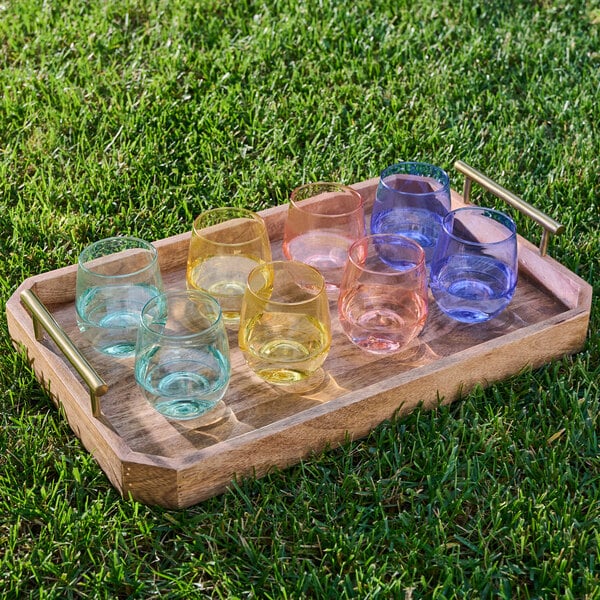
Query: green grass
pixel 127 116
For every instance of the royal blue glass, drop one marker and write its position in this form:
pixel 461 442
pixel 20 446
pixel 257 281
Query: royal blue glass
pixel 474 267
pixel 412 199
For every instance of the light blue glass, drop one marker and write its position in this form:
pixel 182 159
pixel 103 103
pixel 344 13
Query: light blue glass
pixel 115 278
pixel 182 359
pixel 474 268
pixel 411 200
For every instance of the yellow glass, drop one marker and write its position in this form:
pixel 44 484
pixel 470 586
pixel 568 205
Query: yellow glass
pixel 226 244
pixel 285 327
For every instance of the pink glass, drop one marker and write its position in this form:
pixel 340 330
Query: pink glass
pixel 323 220
pixel 382 304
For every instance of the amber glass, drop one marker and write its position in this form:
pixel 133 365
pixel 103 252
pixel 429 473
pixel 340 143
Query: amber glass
pixel 226 244
pixel 285 328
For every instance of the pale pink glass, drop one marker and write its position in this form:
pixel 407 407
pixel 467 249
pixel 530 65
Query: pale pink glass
pixel 323 220
pixel 382 304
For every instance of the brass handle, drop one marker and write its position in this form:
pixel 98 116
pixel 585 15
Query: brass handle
pixel 43 320
pixel 551 227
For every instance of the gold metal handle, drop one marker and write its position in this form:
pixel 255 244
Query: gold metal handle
pixel 551 227
pixel 43 320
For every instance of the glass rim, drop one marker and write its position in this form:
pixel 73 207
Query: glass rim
pixel 339 187
pixel 509 224
pixel 442 176
pixel 406 241
pixel 140 244
pixel 244 213
pixel 279 263
pixel 199 294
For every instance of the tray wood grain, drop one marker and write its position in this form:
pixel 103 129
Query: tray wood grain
pixel 258 426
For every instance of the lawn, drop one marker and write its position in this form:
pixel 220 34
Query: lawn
pixel 131 117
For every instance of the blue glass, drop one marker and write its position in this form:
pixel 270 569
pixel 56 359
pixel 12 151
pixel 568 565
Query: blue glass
pixel 411 200
pixel 474 268
pixel 182 359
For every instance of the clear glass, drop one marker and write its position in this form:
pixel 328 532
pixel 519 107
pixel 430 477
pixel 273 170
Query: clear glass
pixel 382 305
pixel 115 278
pixel 412 198
pixel 323 220
pixel 474 268
pixel 182 359
pixel 226 244
pixel 285 327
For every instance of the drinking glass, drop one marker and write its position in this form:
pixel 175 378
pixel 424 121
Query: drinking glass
pixel 182 359
pixel 474 268
pixel 412 198
pixel 115 278
pixel 382 305
pixel 226 244
pixel 285 328
pixel 323 219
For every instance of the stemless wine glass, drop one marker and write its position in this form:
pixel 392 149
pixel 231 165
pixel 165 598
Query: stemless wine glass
pixel 182 359
pixel 226 244
pixel 382 305
pixel 412 198
pixel 323 219
pixel 474 268
pixel 115 277
pixel 285 328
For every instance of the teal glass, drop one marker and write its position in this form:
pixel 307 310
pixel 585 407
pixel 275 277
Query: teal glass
pixel 182 359
pixel 115 278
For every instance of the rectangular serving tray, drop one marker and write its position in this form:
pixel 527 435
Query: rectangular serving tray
pixel 177 464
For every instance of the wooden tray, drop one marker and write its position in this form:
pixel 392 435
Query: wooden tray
pixel 177 464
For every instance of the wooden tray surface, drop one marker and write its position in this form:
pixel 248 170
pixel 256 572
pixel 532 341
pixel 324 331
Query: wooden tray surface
pixel 259 426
